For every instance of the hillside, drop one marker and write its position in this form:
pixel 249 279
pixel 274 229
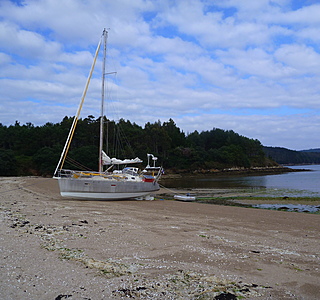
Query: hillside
pixel 291 157
pixel 311 150
pixel 35 150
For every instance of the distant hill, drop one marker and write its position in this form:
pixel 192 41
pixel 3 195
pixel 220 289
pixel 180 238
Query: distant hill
pixel 291 157
pixel 311 150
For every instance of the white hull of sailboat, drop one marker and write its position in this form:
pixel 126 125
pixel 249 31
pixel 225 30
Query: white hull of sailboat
pixel 103 196
pixel 104 189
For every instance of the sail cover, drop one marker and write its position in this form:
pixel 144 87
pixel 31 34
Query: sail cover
pixel 106 160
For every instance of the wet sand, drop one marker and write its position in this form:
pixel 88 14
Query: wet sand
pixel 53 248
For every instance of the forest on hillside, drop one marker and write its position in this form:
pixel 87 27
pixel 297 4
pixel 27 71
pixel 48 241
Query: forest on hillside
pixel 35 150
pixel 291 157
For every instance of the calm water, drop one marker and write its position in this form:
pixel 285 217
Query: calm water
pixel 290 184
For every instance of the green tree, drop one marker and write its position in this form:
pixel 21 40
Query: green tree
pixel 8 163
pixel 45 160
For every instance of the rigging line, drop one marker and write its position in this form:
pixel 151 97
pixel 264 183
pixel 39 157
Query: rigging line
pixel 75 120
pixel 108 105
pixel 172 191
pixel 114 151
pixel 123 141
pixel 77 164
pixel 106 124
pixel 105 36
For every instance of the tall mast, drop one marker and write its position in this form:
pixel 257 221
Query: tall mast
pixel 76 118
pixel 105 36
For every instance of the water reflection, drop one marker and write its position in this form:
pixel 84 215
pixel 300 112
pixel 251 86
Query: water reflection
pixel 238 182
pixel 216 182
pixel 299 183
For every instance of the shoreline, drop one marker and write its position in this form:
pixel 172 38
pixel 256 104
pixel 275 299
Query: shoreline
pixel 52 247
pixel 254 171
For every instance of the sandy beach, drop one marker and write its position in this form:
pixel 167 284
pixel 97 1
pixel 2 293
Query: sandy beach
pixel 53 248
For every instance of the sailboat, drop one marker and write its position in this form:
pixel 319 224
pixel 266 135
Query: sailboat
pixel 128 182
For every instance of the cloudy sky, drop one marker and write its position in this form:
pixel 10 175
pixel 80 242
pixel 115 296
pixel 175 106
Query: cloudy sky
pixel 250 66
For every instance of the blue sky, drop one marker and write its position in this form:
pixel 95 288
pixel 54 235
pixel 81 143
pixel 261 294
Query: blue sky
pixel 249 66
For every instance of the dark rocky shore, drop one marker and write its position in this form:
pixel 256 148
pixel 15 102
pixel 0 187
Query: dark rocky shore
pixel 233 171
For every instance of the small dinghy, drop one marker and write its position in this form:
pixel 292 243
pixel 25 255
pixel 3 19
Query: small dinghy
pixel 184 197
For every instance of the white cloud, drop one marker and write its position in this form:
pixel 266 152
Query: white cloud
pixel 303 16
pixel 250 66
pixel 304 59
pixel 4 59
pixel 256 62
pixel 26 43
pixel 293 132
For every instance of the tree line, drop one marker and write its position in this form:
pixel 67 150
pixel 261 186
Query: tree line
pixel 35 150
pixel 291 157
